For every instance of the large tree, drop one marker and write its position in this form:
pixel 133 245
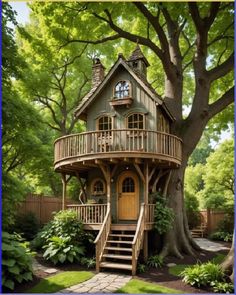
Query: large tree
pixel 191 48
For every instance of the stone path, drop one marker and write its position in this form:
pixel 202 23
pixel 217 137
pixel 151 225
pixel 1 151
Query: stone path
pixel 39 267
pixel 208 245
pixel 100 283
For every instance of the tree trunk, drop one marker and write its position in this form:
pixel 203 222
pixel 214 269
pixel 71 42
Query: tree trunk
pixel 178 240
pixel 228 264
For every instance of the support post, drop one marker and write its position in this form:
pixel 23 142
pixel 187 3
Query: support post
pixel 64 183
pixel 146 182
pixel 145 246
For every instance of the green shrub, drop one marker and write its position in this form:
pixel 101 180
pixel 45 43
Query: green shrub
pixel 192 210
pixel 163 215
pixel 155 261
pixel 221 236
pixel 141 268
pixel 202 274
pixel 16 261
pixel 27 225
pixel 222 287
pixel 89 262
pixel 227 224
pixel 62 249
pixel 64 224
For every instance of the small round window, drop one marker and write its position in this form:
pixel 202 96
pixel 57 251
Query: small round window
pixel 98 187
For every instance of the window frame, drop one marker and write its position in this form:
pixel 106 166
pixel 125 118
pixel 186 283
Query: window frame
pixel 93 193
pixel 124 97
pixel 99 118
pixel 132 114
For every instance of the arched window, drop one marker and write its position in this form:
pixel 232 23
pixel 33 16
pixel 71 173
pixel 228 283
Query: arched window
pixel 128 185
pixel 136 121
pixel 98 187
pixel 104 123
pixel 122 89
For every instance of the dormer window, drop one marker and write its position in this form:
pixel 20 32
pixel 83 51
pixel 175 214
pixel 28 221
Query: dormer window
pixel 122 94
pixel 122 89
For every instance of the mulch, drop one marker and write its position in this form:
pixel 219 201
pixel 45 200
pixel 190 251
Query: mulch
pixel 160 276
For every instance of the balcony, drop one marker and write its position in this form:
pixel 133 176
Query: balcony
pixel 78 151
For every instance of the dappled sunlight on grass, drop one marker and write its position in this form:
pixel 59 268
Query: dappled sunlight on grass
pixel 60 281
pixel 141 287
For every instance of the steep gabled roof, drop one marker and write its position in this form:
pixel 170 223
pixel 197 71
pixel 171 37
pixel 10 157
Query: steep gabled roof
pixel 92 94
pixel 137 54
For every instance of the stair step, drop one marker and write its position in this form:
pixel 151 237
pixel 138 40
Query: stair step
pixel 121 235
pixel 118 249
pixel 115 256
pixel 123 227
pixel 115 265
pixel 119 242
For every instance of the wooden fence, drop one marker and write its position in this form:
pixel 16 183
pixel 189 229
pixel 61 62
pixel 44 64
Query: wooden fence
pixel 42 206
pixel 211 218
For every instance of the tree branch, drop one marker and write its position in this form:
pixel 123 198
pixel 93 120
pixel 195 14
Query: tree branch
pixel 103 40
pixel 222 69
pixel 226 99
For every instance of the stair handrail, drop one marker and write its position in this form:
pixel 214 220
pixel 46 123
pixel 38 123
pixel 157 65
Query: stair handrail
pixel 138 238
pixel 101 238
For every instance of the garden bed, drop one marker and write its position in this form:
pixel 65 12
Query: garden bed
pixel 163 277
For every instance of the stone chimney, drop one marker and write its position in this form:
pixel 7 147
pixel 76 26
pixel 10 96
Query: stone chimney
pixel 97 72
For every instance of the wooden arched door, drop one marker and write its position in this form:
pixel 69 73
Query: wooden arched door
pixel 128 196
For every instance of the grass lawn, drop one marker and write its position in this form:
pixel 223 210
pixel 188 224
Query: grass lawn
pixel 61 281
pixel 142 287
pixel 177 269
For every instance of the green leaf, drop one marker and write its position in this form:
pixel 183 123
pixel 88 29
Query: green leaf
pixel 27 276
pixel 9 284
pixel 8 262
pixel 67 249
pixel 62 257
pixel 14 269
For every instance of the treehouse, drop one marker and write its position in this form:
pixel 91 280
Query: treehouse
pixel 127 152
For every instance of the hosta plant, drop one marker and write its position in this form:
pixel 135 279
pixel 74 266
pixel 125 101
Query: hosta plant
pixel 222 287
pixel 155 261
pixel 89 262
pixel 202 274
pixel 61 249
pixel 16 261
pixel 64 224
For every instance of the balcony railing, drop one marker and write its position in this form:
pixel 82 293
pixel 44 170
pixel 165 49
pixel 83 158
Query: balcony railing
pixel 118 141
pixel 90 213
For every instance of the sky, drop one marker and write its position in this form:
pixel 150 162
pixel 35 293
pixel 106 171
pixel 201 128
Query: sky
pixel 22 11
pixel 23 17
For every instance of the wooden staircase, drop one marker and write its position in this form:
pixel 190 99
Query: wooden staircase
pixel 118 249
pixel 118 245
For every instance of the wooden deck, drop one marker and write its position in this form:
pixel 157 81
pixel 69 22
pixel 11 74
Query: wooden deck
pixel 93 215
pixel 80 150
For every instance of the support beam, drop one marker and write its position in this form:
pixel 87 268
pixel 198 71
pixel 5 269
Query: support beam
pixel 167 183
pixel 151 174
pixel 139 172
pixel 145 246
pixel 107 174
pixel 64 183
pixel 64 180
pixel 146 182
pixel 114 170
pixel 81 184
